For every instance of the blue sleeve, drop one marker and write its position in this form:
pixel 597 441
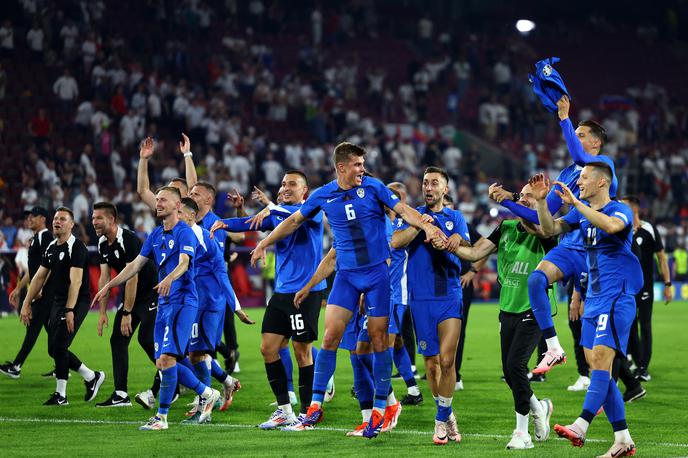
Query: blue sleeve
pixel 240 224
pixel 461 227
pixel 572 218
pixel 383 193
pixel 578 154
pixel 621 211
pixel 311 206
pixel 147 248
pixel 554 203
pixel 187 242
pixel 220 273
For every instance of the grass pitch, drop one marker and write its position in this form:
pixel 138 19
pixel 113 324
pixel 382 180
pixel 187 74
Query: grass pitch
pixel 658 423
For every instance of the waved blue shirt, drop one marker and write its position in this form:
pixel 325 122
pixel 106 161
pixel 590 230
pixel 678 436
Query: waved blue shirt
pixel 211 272
pixel 398 269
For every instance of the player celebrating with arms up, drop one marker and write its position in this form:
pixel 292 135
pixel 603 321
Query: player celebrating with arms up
pixel 614 277
pixel 354 207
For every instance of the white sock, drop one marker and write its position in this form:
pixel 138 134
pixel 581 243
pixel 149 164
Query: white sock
pixel 413 368
pixel 207 392
pixel 622 436
pixel 61 387
pixel 163 416
pixel 414 390
pixel 86 373
pixel 121 394
pixel 391 399
pixel 435 397
pixel 582 424
pixel 286 408
pixel 535 405
pixel 522 423
pixel 366 414
pixel 228 381
pixel 444 402
pixel 209 362
pixel 553 343
pixel 316 403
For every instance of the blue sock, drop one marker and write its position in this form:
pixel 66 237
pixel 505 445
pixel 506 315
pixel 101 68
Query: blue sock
pixel 314 352
pixel 324 368
pixel 285 356
pixel 444 408
pixel 382 375
pixel 363 383
pixel 367 360
pixel 596 395
pixel 202 372
pixel 189 380
pixel 614 407
pixel 168 385
pixel 187 363
pixel 217 372
pixel 403 363
pixel 539 302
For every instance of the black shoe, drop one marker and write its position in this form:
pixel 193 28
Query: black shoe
pixel 115 400
pixel 397 375
pixel 643 375
pixel 231 361
pixel 633 395
pixel 412 400
pixel 537 377
pixel 49 374
pixel 353 392
pixel 10 370
pixel 93 386
pixel 424 377
pixel 56 399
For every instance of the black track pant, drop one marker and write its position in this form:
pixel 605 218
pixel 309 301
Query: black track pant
pixel 59 339
pixel 467 299
pixel 640 346
pixel 40 316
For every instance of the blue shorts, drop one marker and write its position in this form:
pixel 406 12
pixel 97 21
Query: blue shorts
pixel 204 332
pixel 611 328
pixel 570 261
pixel 396 318
pixel 427 315
pixel 352 331
pixel 372 281
pixel 172 330
pixel 393 328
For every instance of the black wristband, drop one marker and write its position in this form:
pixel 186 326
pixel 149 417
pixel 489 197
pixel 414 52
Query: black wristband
pixel 125 312
pixel 515 196
pixel 474 270
pixel 668 283
pixel 68 310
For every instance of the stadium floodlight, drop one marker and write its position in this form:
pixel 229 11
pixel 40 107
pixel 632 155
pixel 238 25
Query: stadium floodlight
pixel 494 212
pixel 525 26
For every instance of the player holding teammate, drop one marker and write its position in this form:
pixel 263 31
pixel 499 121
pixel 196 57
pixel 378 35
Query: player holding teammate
pixel 614 277
pixel 353 202
pixel 566 260
pixel 435 297
pixel 173 246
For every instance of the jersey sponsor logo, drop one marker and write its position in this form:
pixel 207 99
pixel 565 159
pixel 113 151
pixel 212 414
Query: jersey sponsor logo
pixel 279 218
pixel 360 192
pixel 188 248
pixel 330 200
pixel 61 256
pixel 300 333
pixel 171 244
pixel 511 283
pixel 449 225
pixel 520 267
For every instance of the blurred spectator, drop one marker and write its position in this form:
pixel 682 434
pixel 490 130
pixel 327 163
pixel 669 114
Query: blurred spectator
pixel 67 90
pixel 34 39
pixel 7 39
pixel 9 231
pixel 40 127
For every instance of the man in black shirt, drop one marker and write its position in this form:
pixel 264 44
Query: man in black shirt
pixel 646 244
pixel 39 309
pixel 66 261
pixel 117 247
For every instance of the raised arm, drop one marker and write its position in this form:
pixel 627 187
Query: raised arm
pixel 578 153
pixel 550 227
pixel 287 227
pixel 142 182
pixel 189 167
pixel 609 224
pixel 480 250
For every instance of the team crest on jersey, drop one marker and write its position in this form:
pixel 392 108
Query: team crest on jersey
pixel 117 254
pixel 547 70
pixel 61 256
pixel 639 240
pixel 449 225
pixel 360 192
pixel 171 244
pixel 423 345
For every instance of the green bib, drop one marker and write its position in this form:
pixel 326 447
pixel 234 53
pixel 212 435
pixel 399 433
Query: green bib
pixel 519 254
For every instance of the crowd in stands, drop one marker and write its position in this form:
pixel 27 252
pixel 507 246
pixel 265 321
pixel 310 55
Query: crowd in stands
pixel 262 86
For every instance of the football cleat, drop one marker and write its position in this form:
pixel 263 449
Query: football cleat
pixel 633 395
pixel 644 375
pixel 194 407
pixel 115 400
pixel 155 423
pixel 206 406
pixel 581 384
pixel 392 413
pixel 572 433
pixel 412 400
pixel 56 399
pixel 441 434
pixel 374 426
pixel 195 419
pixel 453 433
pixel 145 399
pixel 49 374
pixel 279 419
pixel 329 392
pixel 228 393
pixel 541 422
pixel 313 416
pixel 620 449
pixel 519 441
pixel 299 425
pixel 358 431
pixel 92 386
pixel 550 359
pixel 10 370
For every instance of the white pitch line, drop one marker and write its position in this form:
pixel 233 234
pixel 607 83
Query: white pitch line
pixel 322 428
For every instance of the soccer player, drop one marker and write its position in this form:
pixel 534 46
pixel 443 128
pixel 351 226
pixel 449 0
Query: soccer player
pixel 214 291
pixel 566 260
pixel 647 243
pixel 66 261
pixel 614 277
pixel 117 247
pixel 353 205
pixel 38 312
pixel 297 257
pixel 435 297
pixel 146 149
pixel 518 252
pixel 172 246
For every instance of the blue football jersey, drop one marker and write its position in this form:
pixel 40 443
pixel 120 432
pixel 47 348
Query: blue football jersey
pixel 357 218
pixel 220 236
pixel 435 274
pixel 612 266
pixel 296 256
pixel 165 247
pixel 211 272
pixel 398 274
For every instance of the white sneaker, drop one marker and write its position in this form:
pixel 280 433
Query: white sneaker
pixel 155 423
pixel 279 419
pixel 519 441
pixel 329 392
pixel 453 433
pixel 541 422
pixel 206 405
pixel 145 399
pixel 582 384
pixel 459 385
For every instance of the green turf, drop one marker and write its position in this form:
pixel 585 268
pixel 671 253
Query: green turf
pixel 484 408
